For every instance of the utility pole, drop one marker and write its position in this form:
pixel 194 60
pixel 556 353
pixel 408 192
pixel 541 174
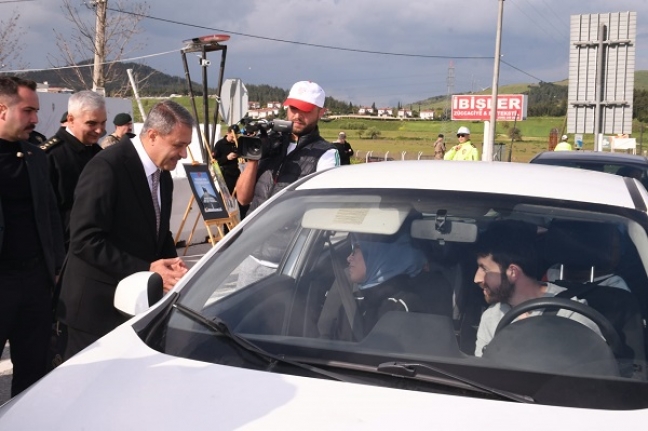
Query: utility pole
pixel 98 81
pixel 450 81
pixel 489 141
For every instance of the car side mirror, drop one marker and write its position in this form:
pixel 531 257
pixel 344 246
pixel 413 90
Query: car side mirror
pixel 137 292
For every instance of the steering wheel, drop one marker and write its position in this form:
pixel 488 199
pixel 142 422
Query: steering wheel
pixel 610 334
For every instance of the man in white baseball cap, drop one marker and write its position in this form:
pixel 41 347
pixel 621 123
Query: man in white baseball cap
pixel 301 154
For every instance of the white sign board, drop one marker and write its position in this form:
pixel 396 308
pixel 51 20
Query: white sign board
pixel 477 107
pixel 611 92
pixel 234 101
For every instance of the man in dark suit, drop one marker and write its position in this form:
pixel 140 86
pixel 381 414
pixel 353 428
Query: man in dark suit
pixel 120 223
pixel 31 237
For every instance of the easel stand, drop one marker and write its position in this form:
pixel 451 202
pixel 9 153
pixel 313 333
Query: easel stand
pixel 219 225
pixel 214 236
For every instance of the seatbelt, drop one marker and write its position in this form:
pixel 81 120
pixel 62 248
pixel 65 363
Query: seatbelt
pixel 343 287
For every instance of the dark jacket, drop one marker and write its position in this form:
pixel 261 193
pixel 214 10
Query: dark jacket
pixel 229 168
pixel 278 171
pixel 113 235
pixel 345 151
pixel 428 292
pixel 67 157
pixel 45 210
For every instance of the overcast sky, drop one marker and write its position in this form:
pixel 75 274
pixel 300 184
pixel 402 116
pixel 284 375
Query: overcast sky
pixel 376 51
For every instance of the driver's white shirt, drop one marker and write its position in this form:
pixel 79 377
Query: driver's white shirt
pixel 492 316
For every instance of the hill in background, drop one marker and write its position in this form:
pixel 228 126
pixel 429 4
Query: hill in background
pixel 439 102
pixel 157 84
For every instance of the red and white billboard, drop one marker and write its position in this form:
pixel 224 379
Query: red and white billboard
pixel 477 107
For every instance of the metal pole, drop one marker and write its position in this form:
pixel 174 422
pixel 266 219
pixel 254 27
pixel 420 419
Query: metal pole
pixel 600 76
pixel 221 74
pixel 487 152
pixel 136 94
pixel 205 147
pixel 192 97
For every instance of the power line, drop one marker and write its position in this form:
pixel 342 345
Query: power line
pixel 335 48
pixel 313 45
pixel 123 60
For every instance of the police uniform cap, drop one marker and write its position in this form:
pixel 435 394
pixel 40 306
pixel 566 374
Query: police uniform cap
pixel 122 119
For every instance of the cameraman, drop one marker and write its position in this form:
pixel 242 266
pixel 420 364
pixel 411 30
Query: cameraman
pixel 306 152
pixel 226 154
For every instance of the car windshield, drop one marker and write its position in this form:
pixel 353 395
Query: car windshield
pixel 357 279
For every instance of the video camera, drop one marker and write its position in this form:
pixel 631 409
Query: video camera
pixel 261 138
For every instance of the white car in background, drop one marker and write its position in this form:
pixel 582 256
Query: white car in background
pixel 243 341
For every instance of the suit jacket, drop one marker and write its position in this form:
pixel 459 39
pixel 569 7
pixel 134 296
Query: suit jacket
pixel 112 235
pixel 49 227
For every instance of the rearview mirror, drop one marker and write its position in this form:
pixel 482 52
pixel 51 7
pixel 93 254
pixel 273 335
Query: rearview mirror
pixel 454 231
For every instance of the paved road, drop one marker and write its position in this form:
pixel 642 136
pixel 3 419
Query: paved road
pixel 194 253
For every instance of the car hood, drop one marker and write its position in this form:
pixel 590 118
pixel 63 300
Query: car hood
pixel 120 383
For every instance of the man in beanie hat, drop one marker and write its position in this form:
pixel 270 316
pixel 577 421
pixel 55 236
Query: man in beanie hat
pixel 123 126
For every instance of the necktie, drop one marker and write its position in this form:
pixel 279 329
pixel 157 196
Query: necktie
pixel 155 186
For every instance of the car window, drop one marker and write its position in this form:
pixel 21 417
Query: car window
pixel 289 282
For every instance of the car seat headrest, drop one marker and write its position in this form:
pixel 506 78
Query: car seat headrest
pixel 579 244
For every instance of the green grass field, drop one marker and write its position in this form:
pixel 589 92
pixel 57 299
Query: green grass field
pixel 418 136
pixel 414 137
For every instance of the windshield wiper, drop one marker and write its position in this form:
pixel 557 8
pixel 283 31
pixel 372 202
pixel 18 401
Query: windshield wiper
pixel 219 326
pixel 411 370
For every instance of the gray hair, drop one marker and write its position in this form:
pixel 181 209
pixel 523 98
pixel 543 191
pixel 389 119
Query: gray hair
pixel 85 101
pixel 165 115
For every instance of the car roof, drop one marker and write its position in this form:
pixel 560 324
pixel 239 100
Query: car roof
pixel 592 156
pixel 520 179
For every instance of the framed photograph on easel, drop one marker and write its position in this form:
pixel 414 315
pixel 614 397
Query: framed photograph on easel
pixel 207 196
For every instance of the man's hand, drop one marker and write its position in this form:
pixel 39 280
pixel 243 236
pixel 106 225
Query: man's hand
pixel 171 270
pixel 232 156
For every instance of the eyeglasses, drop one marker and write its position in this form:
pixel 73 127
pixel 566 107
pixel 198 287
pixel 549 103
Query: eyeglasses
pixel 354 248
pixel 461 135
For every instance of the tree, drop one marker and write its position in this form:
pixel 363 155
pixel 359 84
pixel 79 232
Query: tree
pixel 78 48
pixel 515 134
pixel 10 45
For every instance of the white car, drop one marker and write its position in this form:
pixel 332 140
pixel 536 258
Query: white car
pixel 269 331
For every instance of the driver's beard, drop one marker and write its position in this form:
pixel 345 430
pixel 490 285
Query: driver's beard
pixel 503 293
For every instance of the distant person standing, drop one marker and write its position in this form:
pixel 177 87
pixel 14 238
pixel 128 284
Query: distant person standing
pixel 31 238
pixel 563 145
pixel 226 155
pixel 123 127
pixel 465 150
pixel 439 147
pixel 344 149
pixel 70 149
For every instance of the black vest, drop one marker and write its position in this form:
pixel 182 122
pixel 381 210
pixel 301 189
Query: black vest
pixel 277 172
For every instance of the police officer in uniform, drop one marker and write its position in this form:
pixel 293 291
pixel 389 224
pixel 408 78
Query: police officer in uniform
pixel 31 240
pixel 70 149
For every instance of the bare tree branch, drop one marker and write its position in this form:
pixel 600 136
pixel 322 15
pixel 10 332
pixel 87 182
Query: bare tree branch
pixel 78 48
pixel 10 45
